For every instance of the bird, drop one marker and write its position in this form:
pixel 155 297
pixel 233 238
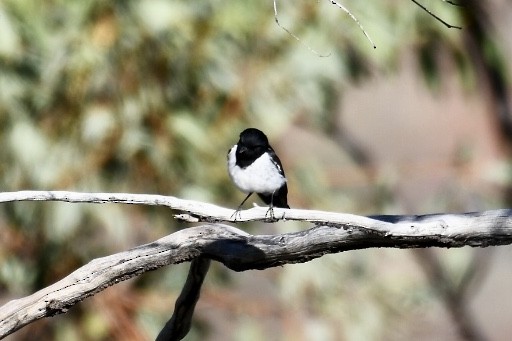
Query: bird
pixel 254 167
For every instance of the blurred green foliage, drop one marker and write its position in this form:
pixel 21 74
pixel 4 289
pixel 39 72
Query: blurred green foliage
pixel 147 97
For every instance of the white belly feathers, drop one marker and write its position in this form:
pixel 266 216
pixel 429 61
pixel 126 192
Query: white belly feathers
pixel 259 177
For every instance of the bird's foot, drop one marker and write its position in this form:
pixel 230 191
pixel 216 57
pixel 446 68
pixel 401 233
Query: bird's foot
pixel 236 215
pixel 270 214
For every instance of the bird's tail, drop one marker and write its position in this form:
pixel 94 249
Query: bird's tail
pixel 280 197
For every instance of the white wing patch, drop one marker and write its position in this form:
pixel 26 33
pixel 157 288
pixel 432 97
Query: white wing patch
pixel 277 165
pixel 262 176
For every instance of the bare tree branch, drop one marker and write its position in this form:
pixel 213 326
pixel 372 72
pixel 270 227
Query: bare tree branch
pixel 196 211
pixel 179 324
pixel 238 250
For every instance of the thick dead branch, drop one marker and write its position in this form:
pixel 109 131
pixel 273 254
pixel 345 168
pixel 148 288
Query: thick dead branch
pixel 239 251
pixel 179 324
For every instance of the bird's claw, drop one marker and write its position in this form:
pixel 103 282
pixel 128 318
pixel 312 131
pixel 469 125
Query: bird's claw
pixel 270 214
pixel 236 215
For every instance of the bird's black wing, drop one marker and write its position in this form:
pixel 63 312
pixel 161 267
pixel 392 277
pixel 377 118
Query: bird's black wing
pixel 275 160
pixel 281 195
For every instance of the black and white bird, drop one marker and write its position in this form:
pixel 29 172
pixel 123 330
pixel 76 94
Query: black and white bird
pixel 255 168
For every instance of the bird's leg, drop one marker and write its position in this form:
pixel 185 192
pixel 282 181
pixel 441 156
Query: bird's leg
pixel 270 211
pixel 237 212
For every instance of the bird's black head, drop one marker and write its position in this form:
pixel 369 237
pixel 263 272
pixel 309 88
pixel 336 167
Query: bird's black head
pixel 252 137
pixel 252 144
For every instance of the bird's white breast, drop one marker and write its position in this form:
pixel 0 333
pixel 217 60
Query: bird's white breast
pixel 261 176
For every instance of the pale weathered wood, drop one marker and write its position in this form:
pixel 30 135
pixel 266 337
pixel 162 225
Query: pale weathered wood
pixel 239 251
pixel 196 211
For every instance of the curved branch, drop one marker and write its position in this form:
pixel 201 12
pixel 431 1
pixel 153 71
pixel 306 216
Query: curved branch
pixel 196 211
pixel 241 251
pixel 179 324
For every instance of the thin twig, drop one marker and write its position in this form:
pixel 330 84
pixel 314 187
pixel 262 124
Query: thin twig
pixel 334 2
pixel 435 16
pixel 294 36
pixel 454 3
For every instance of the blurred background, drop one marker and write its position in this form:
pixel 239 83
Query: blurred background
pixel 148 96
